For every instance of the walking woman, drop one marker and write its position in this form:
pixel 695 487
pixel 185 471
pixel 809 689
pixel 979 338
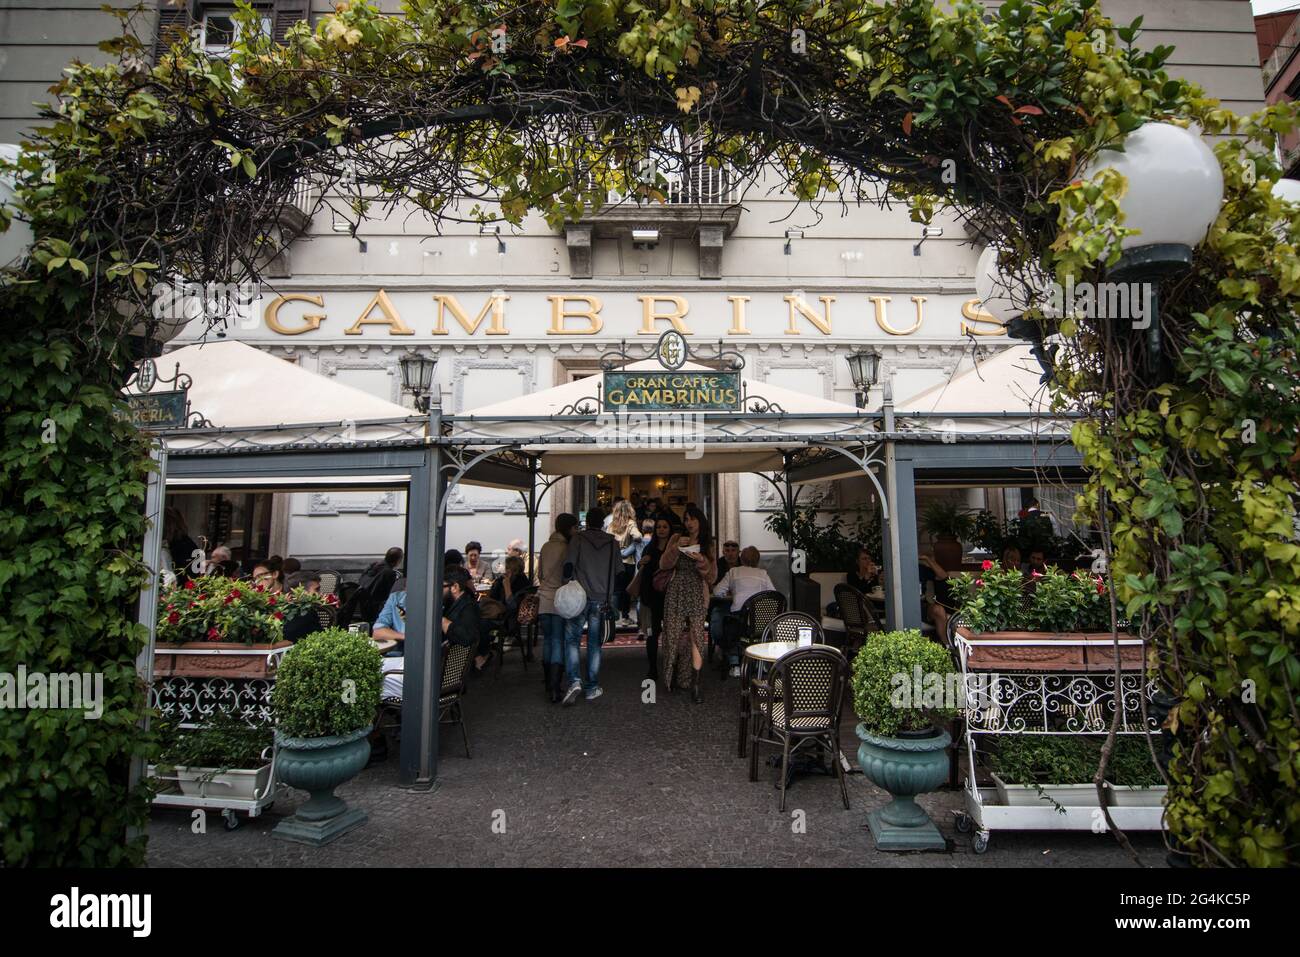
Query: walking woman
pixel 652 600
pixel 626 536
pixel 686 600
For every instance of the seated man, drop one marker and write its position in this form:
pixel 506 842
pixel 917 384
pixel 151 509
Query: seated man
pixel 460 626
pixel 741 582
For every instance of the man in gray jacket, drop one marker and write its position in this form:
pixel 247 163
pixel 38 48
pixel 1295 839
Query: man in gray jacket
pixel 593 560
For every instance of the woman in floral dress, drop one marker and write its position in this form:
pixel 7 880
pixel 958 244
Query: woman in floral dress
pixel 686 601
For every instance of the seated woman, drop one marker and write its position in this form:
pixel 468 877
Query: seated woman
pixel 942 607
pixel 741 583
pixel 460 625
pixel 865 575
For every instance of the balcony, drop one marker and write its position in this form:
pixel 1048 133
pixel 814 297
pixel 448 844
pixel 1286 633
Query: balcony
pixel 703 203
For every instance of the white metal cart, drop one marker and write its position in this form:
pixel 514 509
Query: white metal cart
pixel 1002 701
pixel 192 700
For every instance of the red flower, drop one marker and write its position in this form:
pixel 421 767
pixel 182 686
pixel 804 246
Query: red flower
pixel 987 565
pixel 1035 574
pixel 194 604
pixel 189 585
pixel 1101 589
pixel 331 599
pixel 173 618
pixel 170 607
pixel 278 616
pixel 979 581
pixel 214 635
pixel 228 600
pixel 236 593
pixel 271 601
pixel 202 597
pixel 259 588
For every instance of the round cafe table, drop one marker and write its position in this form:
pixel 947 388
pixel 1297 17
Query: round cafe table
pixel 388 644
pixel 767 652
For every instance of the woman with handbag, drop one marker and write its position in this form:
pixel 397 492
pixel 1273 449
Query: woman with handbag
pixel 652 595
pixel 690 560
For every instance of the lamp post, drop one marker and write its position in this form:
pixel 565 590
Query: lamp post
pixel 417 379
pixel 1175 191
pixel 864 367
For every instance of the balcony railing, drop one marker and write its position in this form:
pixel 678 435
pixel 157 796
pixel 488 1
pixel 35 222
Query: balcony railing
pixel 1282 52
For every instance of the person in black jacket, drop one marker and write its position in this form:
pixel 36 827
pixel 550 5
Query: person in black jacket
pixel 651 598
pixel 460 615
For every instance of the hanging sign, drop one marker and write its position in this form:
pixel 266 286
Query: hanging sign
pixel 705 391
pixel 158 410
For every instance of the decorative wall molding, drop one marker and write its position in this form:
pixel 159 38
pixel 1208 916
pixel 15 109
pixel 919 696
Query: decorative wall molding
pixel 767 499
pixel 387 363
pixel 324 503
pixel 526 368
pixel 824 364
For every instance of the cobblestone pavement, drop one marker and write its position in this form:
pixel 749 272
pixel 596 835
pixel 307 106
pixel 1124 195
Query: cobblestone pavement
pixel 612 782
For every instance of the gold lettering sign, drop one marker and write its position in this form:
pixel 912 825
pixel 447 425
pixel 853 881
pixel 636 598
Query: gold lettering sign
pixel 391 319
pixel 970 309
pixel 738 315
pixel 496 306
pixel 310 323
pixel 650 315
pixel 882 316
pixel 800 308
pixel 560 311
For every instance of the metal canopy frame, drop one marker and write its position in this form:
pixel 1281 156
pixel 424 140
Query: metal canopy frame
pixel 428 456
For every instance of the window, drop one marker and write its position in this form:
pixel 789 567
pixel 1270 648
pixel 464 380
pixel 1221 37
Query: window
pixel 220 30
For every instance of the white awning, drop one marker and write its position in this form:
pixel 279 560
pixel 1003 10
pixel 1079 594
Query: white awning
pixel 235 386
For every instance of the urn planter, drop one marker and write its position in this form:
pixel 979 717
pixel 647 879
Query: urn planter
pixel 318 766
pixel 905 767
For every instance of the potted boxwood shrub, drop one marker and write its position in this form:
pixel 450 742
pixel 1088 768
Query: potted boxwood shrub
pixel 904 687
pixel 325 698
pixel 226 758
pixel 948 524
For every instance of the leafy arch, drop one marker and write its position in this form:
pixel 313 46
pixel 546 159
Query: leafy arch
pixel 470 110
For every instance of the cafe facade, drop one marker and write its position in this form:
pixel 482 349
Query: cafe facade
pixel 510 313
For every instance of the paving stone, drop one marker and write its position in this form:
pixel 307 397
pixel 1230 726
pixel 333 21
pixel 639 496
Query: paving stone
pixel 613 782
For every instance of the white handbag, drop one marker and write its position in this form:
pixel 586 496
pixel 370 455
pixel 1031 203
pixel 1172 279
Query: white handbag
pixel 570 600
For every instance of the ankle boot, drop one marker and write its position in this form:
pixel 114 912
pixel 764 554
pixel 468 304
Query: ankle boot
pixel 557 683
pixel 548 675
pixel 697 693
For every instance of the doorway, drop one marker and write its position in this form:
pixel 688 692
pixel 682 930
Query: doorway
pixel 675 489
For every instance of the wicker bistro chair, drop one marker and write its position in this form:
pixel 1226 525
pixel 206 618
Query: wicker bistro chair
pixel 804 708
pixel 325 616
pixel 758 612
pixel 784 627
pixel 455 681
pixel 859 618
pixel 329 582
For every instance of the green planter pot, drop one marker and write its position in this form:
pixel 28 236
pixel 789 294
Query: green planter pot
pixel 318 766
pixel 905 767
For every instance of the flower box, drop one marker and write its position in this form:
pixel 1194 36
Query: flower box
pixel 1098 654
pixel 240 661
pixel 1027 795
pixel 238 784
pixel 1132 796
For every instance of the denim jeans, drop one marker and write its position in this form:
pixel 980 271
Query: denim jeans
pixel 717 612
pixel 552 639
pixel 573 641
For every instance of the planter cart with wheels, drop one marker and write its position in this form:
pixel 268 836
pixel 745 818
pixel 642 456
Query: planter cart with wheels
pixel 1029 692
pixel 192 698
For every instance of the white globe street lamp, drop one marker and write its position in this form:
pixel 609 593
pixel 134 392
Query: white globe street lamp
pixel 1175 191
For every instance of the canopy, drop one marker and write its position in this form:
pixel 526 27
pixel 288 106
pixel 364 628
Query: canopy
pixel 274 402
pixel 564 425
pixel 999 394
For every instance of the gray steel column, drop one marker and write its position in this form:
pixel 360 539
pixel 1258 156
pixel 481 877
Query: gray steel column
pixel 155 501
pixel 789 517
pixel 532 525
pixel 423 645
pixel 907 581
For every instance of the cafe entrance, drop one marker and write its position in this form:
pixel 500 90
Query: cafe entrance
pixel 676 490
